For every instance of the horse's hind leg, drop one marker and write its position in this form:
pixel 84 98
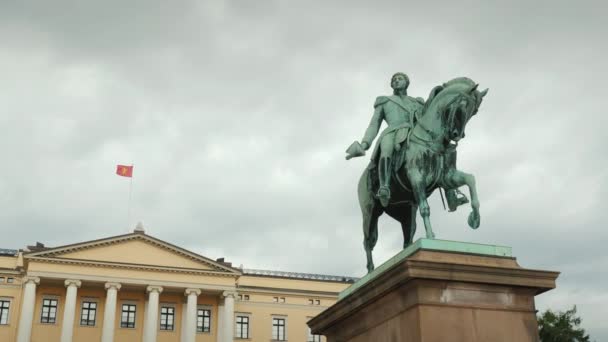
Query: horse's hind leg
pixel 408 225
pixel 406 215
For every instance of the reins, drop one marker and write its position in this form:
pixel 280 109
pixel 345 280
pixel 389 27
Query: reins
pixel 435 145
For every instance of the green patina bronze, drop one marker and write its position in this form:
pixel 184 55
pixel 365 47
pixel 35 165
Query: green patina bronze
pixel 415 155
pixel 430 245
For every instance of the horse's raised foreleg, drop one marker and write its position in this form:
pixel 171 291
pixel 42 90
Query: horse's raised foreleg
pixel 419 189
pixel 458 178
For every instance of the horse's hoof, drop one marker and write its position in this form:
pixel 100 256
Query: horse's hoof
pixel 430 236
pixel 474 220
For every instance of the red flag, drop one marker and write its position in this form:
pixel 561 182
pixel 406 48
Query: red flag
pixel 124 170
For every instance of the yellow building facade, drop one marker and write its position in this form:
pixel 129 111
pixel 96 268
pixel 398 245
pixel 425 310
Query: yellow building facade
pixel 135 287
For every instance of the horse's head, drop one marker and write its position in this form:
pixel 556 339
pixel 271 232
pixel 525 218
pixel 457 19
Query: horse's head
pixel 453 104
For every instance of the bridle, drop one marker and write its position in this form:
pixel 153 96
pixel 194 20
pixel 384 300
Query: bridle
pixel 435 144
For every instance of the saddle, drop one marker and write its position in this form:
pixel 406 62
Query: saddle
pixel 400 185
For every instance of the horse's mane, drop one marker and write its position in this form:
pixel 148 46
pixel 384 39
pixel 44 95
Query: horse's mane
pixel 438 89
pixel 459 80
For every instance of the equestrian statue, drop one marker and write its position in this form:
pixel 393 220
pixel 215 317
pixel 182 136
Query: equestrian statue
pixel 415 155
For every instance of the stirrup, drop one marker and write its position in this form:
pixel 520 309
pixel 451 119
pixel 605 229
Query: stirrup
pixel 384 195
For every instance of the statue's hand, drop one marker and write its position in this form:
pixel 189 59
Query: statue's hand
pixel 355 150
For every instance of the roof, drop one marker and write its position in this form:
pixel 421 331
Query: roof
pixel 8 252
pixel 250 272
pixel 295 275
pixel 57 251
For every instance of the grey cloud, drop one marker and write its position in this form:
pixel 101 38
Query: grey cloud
pixel 237 116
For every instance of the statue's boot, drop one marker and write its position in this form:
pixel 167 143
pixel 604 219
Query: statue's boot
pixel 384 175
pixel 455 199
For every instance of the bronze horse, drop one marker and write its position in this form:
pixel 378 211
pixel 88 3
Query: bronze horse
pixel 428 162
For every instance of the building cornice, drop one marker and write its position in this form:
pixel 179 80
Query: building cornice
pixel 293 292
pixel 299 276
pixel 140 267
pixel 205 287
pixel 11 271
pixel 244 305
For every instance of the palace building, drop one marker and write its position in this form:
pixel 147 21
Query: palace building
pixel 135 287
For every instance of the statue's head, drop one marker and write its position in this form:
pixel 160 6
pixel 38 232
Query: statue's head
pixel 399 82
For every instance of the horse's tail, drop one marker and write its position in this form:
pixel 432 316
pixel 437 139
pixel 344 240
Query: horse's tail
pixel 369 241
pixel 370 217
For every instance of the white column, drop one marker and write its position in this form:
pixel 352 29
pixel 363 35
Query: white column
pixel 24 332
pixel 190 319
pixel 228 324
pixel 151 319
pixel 109 312
pixel 184 315
pixel 69 309
pixel 220 320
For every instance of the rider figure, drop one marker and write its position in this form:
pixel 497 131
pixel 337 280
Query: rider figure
pixel 399 111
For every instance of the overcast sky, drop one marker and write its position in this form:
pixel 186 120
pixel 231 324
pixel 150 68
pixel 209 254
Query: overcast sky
pixel 236 116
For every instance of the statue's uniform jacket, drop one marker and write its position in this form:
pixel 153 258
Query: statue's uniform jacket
pixel 399 113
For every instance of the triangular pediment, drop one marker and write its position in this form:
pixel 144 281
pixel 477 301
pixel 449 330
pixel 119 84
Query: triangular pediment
pixel 135 250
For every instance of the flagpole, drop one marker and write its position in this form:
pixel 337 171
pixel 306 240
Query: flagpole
pixel 130 196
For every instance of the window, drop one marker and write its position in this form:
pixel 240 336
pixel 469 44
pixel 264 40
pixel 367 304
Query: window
pixel 282 299
pixel 203 320
pixel 278 329
pixel 127 319
pixel 1 279
pixel 10 280
pixel 88 313
pixel 313 338
pixel 317 302
pixel 311 301
pixel 5 306
pixel 167 317
pixel 49 311
pixel 242 326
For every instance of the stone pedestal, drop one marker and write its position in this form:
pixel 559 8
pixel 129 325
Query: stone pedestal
pixel 437 291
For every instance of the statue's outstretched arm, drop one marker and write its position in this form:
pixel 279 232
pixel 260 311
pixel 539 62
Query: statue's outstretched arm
pixel 374 126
